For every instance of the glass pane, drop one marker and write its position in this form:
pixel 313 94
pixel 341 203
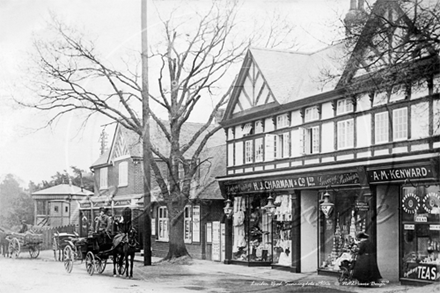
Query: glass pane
pixel 337 231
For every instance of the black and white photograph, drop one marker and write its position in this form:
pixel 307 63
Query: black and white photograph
pixel 219 146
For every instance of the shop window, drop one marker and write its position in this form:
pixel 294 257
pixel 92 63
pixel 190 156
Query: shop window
pixel 248 152
pixel 400 124
pixel 163 224
pixel 103 177
pixel 282 235
pixel 381 127
pixel 259 150
pixel 344 106
pixel 420 230
pixel 252 231
pixel 187 224
pixel 350 215
pixel 345 134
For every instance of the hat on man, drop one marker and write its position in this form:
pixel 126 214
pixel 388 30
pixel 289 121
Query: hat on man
pixel 362 235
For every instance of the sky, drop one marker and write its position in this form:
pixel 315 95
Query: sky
pixel 33 153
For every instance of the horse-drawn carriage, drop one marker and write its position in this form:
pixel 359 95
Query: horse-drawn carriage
pixel 96 249
pixel 28 240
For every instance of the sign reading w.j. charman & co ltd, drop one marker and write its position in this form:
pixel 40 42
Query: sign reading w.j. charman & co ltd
pixel 394 174
pixel 293 182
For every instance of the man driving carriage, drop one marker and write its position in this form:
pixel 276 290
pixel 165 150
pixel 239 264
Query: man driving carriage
pixel 103 227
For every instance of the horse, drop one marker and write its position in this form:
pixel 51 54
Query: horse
pixel 4 243
pixel 124 248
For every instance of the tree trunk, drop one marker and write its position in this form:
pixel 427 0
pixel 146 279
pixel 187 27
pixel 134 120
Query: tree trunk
pixel 177 247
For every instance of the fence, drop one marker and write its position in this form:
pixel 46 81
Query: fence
pixel 49 231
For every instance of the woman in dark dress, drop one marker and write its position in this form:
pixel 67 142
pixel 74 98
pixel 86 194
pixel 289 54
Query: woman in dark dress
pixel 365 268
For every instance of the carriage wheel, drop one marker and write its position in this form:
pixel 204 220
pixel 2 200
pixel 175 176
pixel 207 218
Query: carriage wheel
pixel 120 266
pixel 344 275
pixel 14 247
pixel 68 258
pixel 100 264
pixel 34 251
pixel 90 263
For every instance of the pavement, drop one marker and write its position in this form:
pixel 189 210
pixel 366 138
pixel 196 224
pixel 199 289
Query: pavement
pixel 265 276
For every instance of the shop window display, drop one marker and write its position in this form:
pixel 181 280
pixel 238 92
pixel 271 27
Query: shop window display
pixel 420 229
pixel 338 229
pixel 252 237
pixel 282 237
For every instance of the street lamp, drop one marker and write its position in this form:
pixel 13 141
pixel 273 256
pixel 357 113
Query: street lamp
pixel 326 205
pixel 228 208
pixel 270 207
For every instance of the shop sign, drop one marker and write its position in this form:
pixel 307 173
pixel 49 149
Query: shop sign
pixel 408 227
pixel 85 205
pixel 393 174
pixel 422 218
pixel 420 271
pixel 294 182
pixel 362 206
pixel 434 227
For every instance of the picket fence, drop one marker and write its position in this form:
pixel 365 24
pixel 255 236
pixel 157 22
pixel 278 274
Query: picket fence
pixel 48 233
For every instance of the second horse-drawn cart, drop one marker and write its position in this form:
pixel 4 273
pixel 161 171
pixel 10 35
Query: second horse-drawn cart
pixel 30 241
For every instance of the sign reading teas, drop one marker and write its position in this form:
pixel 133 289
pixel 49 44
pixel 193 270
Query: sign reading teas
pixel 400 174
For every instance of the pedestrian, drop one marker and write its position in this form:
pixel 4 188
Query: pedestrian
pixel 365 268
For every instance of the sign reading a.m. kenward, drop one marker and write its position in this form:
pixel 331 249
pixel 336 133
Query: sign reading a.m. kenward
pixel 293 182
pixel 393 174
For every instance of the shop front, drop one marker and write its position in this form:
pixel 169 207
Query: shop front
pixel 265 216
pixel 418 197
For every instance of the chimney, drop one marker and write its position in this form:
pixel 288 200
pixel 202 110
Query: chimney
pixel 361 5
pixel 353 4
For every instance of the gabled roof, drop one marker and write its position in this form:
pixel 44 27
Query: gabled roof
pixel 63 189
pixel 365 57
pixel 290 75
pixel 294 75
pixel 128 142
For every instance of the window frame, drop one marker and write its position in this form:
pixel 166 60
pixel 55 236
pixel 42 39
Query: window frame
pixel 402 123
pixel 162 224
pixel 248 151
pixel 187 224
pixel 311 114
pixel 259 150
pixel 384 134
pixel 123 174
pixel 345 140
pixel 344 106
pixel 103 178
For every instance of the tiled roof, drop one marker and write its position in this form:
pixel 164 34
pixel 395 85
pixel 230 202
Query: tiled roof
pixel 293 75
pixel 134 143
pixel 63 189
pixel 216 166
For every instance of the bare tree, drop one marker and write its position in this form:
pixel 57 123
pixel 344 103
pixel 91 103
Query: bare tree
pixel 193 57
